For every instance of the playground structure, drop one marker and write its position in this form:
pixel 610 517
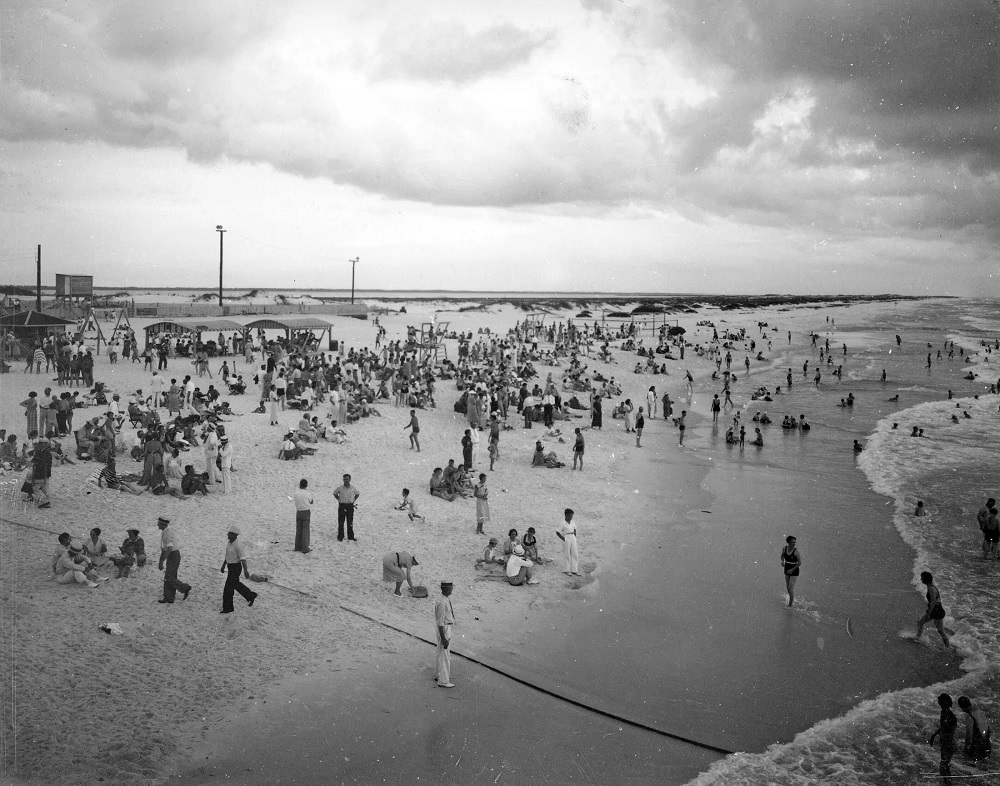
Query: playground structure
pixel 430 344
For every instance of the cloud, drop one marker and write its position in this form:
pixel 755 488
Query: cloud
pixel 436 50
pixel 851 120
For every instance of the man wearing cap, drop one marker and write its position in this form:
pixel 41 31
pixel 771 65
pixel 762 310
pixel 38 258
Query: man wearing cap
pixel 303 500
pixel 236 561
pixel 444 619
pixel 347 497
pixel 171 555
pixel 520 570
pixel 226 460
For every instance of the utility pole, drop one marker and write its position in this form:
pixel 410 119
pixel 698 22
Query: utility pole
pixel 221 231
pixel 353 263
pixel 38 282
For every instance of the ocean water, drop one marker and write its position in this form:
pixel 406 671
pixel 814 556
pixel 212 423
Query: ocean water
pixel 882 739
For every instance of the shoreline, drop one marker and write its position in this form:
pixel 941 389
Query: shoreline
pixel 542 493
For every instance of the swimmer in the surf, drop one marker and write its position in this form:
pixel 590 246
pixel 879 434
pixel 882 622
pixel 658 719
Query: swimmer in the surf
pixel 894 398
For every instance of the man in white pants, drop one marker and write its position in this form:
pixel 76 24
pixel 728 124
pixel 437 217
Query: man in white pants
pixel 444 618
pixel 567 533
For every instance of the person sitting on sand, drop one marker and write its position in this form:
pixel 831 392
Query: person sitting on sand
pixel 110 476
pixel 158 484
pixel 72 567
pixel 410 507
pixel 396 567
pixel 491 554
pixel 509 542
pixel 290 449
pixel 438 487
pixel 538 459
pixel 520 570
pixel 306 430
pixel 192 483
pixel 95 549
pixel 137 544
pixel 530 543
pixel 124 561
pixel 453 477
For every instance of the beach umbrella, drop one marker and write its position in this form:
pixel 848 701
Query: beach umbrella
pixel 676 330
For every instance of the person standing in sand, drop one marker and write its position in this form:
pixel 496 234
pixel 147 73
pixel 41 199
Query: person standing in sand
pixel 791 561
pixel 444 620
pixel 482 495
pixel 236 563
pixel 640 424
pixel 567 534
pixel 171 555
pixel 347 497
pixel 414 427
pixel 935 611
pixel 651 401
pixel 578 449
pixel 467 450
pixel 303 500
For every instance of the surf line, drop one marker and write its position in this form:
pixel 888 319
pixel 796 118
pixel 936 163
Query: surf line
pixel 547 691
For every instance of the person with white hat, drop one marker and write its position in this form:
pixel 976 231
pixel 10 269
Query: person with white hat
pixel 226 462
pixel 170 555
pixel 520 570
pixel 72 565
pixel 444 619
pixel 236 562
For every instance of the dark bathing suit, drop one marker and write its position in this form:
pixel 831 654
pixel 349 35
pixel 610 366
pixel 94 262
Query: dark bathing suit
pixel 790 561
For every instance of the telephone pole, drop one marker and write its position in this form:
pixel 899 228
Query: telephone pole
pixel 221 231
pixel 353 263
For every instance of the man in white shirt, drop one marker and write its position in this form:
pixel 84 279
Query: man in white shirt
pixel 170 554
pixel 158 383
pixel 226 464
pixel 567 534
pixel 520 570
pixel 303 513
pixel 236 563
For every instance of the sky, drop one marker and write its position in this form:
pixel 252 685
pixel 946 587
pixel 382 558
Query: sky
pixel 803 146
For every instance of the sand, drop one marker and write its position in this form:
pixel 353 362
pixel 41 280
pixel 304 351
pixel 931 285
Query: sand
pixel 84 704
pixel 159 701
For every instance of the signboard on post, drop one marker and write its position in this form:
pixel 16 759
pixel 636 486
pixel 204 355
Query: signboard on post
pixel 74 286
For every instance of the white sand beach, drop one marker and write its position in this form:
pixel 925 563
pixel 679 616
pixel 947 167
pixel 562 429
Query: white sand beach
pixel 148 705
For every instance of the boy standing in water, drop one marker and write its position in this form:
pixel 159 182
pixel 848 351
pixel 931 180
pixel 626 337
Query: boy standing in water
pixel 935 611
pixel 946 728
pixel 791 561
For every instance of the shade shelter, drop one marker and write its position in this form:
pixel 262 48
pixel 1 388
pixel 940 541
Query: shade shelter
pixel 196 326
pixel 298 324
pixel 28 328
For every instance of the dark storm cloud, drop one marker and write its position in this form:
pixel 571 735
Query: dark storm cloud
pixel 921 76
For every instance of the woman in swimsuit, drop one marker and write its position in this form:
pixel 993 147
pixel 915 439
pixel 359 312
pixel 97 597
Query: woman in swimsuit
pixel 791 561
